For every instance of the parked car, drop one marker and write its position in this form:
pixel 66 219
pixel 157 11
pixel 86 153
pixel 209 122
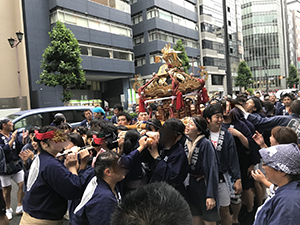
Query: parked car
pixel 44 116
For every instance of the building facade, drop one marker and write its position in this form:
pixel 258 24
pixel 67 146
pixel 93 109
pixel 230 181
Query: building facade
pixel 11 89
pixel 265 42
pixel 294 32
pixel 103 30
pixel 157 23
pixel 212 41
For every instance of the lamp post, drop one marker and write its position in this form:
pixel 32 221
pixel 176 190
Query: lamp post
pixel 13 42
pixel 267 83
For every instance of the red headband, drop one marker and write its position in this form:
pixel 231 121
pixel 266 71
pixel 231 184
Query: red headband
pixel 53 135
pixel 98 141
pixel 43 136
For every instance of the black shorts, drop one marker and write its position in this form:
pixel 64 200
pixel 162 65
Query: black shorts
pixel 208 215
pixel 247 181
pixel 2 204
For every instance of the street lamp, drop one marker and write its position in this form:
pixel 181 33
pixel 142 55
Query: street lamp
pixel 267 85
pixel 13 42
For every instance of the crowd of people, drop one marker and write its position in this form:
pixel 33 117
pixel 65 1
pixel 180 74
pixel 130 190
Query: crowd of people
pixel 214 168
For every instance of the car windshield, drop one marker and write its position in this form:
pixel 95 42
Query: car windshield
pixel 12 116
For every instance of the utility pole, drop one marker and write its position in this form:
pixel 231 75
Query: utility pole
pixel 227 54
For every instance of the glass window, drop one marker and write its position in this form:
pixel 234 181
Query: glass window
pixel 165 15
pixel 118 30
pixel 70 19
pixel 140 61
pixel 83 22
pixel 191 24
pixel 94 24
pixel 53 18
pixel 137 19
pixel 100 52
pixel 104 27
pixel 30 121
pixel 84 50
pixel 138 40
pixel 120 55
pixel 190 6
pixel 216 79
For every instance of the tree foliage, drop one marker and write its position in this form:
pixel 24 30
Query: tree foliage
pixel 61 62
pixel 293 78
pixel 244 77
pixel 183 56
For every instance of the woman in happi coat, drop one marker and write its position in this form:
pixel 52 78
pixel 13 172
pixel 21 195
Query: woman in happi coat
pixel 203 174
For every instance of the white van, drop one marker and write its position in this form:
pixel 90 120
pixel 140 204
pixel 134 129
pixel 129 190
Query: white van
pixel 44 116
pixel 292 90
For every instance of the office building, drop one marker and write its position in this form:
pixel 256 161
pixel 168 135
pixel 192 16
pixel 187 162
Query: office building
pixel 157 23
pixel 265 42
pixel 103 30
pixel 294 32
pixel 212 42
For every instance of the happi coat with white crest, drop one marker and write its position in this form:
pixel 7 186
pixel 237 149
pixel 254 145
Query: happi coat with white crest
pixel 49 187
pixel 97 204
pixel 203 172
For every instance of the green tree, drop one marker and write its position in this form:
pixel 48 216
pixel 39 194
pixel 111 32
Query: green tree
pixel 293 77
pixel 244 75
pixel 61 62
pixel 183 56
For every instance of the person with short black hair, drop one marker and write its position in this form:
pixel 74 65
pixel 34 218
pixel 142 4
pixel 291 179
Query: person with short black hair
pixel 12 144
pixel 105 138
pixel 81 130
pixel 153 125
pixel 269 108
pixel 254 105
pixel 227 158
pixel 65 127
pixel 102 195
pixel 88 115
pixel 118 108
pixel 170 164
pixel 122 128
pixel 124 118
pixel 143 116
pixel 75 139
pixel 257 94
pixel 136 110
pixel 287 99
pixel 153 204
pixel 131 160
pixel 295 107
pixel 59 119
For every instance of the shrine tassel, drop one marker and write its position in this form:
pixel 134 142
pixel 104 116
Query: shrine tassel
pixel 205 97
pixel 179 101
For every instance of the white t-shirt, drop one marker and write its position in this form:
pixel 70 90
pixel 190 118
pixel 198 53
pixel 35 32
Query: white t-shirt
pixel 214 137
